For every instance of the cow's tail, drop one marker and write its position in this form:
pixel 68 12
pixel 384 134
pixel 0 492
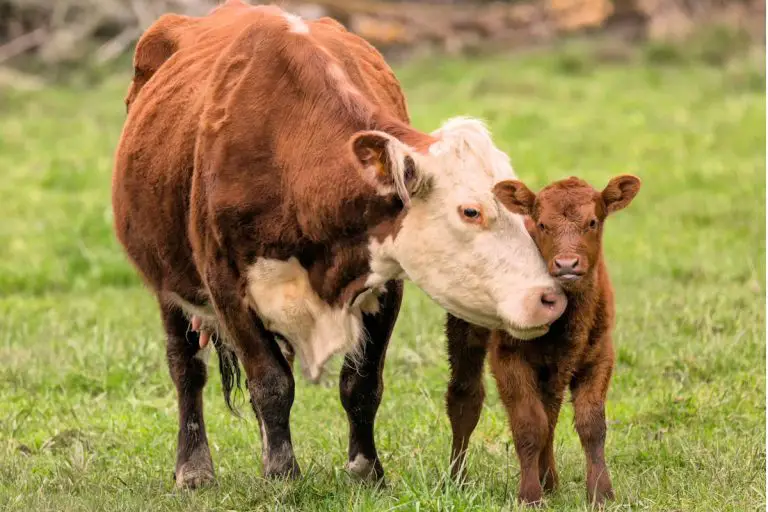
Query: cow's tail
pixel 229 368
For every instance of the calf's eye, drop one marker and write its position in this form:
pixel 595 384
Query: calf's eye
pixel 542 226
pixel 593 224
pixel 471 213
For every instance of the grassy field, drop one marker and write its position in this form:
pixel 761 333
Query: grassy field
pixel 88 412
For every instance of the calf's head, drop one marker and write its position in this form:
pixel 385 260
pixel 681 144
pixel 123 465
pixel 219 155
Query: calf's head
pixel 453 237
pixel 566 221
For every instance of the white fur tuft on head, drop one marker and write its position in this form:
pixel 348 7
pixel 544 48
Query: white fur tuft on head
pixel 465 136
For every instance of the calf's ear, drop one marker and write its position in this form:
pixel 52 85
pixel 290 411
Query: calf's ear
pixel 387 164
pixel 619 192
pixel 515 196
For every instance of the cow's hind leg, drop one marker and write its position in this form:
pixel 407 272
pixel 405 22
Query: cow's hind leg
pixel 361 385
pixel 188 370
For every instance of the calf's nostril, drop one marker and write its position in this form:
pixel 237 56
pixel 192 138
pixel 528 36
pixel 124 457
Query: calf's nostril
pixel 566 263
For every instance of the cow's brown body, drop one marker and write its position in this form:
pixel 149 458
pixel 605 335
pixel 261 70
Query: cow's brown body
pixel 532 376
pixel 225 115
pixel 198 178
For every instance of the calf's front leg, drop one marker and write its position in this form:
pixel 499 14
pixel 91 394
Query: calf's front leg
pixel 589 388
pixel 527 416
pixel 547 468
pixel 361 385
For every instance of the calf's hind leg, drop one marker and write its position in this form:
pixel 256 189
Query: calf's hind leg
pixel 467 346
pixel 188 371
pixel 361 385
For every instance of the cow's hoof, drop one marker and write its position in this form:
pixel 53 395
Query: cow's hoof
pixel 194 478
pixel 366 470
pixel 195 472
pixel 288 471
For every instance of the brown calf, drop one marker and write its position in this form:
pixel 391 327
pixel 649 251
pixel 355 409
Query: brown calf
pixel 566 221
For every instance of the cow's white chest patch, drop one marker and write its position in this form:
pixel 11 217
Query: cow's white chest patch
pixel 281 294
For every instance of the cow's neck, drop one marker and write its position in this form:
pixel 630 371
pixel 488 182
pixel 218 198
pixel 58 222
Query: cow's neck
pixel 316 299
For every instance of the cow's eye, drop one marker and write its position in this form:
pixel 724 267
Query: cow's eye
pixel 593 224
pixel 471 213
pixel 542 226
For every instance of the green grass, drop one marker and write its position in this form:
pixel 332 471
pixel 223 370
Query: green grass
pixel 88 412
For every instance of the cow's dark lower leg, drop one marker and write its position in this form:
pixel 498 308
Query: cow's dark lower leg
pixel 270 380
pixel 467 347
pixel 361 385
pixel 272 389
pixel 188 371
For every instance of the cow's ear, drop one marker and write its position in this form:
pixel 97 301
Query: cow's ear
pixel 387 164
pixel 515 196
pixel 619 192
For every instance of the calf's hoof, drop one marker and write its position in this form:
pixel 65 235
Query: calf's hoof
pixel 599 489
pixel 599 497
pixel 530 497
pixel 551 481
pixel 366 470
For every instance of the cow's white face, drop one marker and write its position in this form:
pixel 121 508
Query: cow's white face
pixel 456 240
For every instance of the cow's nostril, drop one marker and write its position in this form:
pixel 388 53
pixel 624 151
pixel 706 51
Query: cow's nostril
pixel 549 299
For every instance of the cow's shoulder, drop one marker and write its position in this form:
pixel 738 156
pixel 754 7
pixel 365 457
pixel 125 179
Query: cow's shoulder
pixel 378 77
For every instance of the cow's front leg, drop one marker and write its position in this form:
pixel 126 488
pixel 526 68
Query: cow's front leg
pixel 361 385
pixel 188 371
pixel 272 389
pixel 270 380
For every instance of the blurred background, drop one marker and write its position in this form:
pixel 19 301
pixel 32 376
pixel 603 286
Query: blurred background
pixel 98 31
pixel 670 90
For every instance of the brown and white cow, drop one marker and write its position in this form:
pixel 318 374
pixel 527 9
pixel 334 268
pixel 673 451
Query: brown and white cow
pixel 268 187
